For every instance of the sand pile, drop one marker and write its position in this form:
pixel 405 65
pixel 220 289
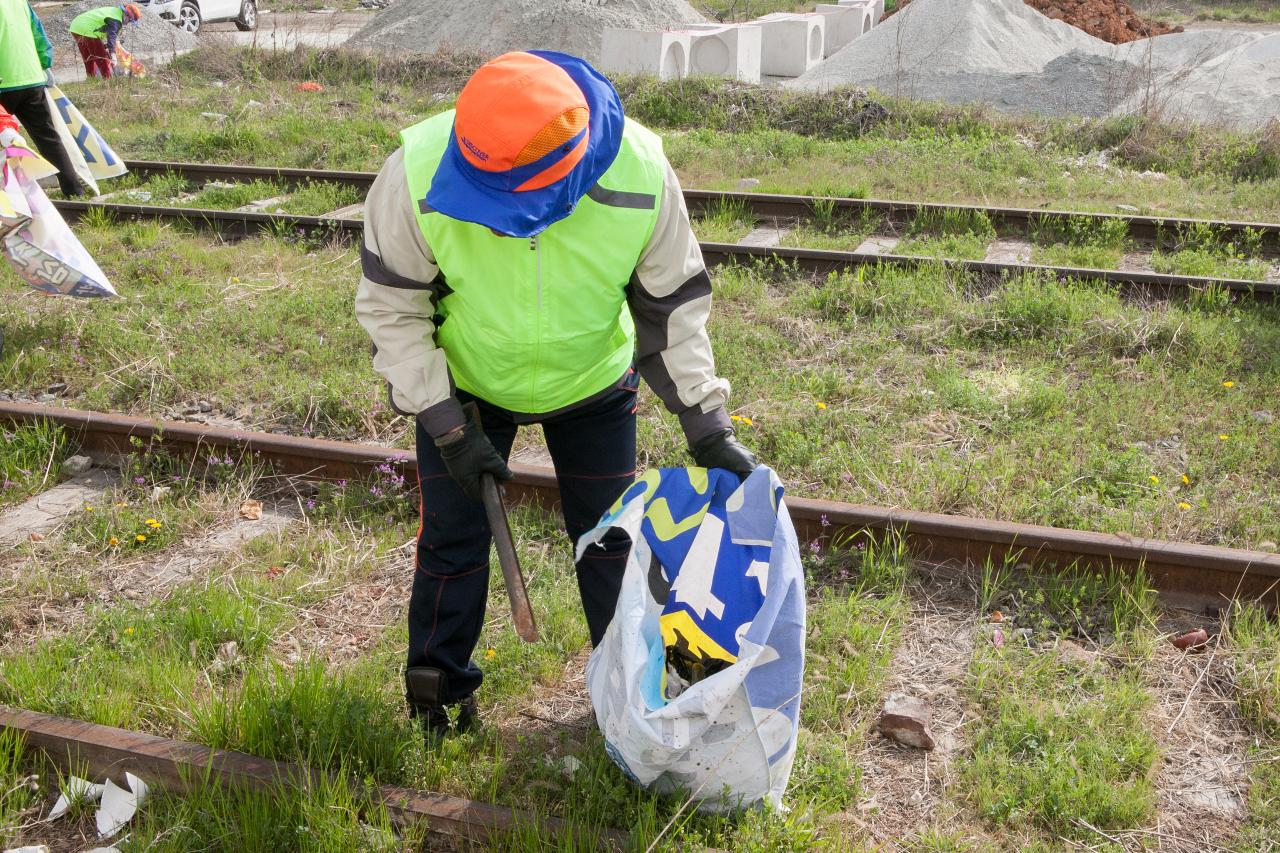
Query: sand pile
pixel 1005 53
pixel 149 37
pixel 1239 88
pixel 1001 52
pixel 1109 20
pixel 490 27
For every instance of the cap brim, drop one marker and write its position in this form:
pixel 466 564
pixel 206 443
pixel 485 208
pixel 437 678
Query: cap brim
pixel 457 195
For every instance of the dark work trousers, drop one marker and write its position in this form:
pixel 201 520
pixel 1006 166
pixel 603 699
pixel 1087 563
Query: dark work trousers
pixel 594 451
pixel 31 107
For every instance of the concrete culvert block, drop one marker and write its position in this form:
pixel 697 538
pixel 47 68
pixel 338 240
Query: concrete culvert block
pixel 725 51
pixel 873 9
pixel 665 54
pixel 844 24
pixel 791 44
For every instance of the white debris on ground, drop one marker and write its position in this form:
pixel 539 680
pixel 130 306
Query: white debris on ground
pixel 148 38
pixel 1006 54
pixel 491 27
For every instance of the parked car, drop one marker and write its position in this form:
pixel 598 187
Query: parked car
pixel 190 15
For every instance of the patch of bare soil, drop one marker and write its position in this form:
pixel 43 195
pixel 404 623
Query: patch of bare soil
pixel 1203 775
pixel 903 787
pixel 553 710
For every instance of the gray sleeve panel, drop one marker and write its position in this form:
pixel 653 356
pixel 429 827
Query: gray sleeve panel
pixel 442 417
pixel 395 297
pixel 670 301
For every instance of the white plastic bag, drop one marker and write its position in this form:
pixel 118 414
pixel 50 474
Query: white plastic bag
pixel 42 249
pixel 714 574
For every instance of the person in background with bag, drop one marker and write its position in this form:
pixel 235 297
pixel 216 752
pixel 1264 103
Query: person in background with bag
pixel 528 252
pixel 96 32
pixel 25 59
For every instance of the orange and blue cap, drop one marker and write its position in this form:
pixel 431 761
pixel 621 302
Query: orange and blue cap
pixel 532 133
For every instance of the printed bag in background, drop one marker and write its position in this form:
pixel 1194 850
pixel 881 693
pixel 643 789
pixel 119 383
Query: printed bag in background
pixel 42 249
pixel 90 154
pixel 696 684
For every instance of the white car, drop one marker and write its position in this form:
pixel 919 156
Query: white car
pixel 189 15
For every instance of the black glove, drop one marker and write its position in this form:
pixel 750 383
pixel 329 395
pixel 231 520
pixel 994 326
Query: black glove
pixel 721 449
pixel 468 453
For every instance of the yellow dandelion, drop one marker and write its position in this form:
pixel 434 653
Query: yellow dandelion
pixel 1153 478
pixel 1228 384
pixel 88 508
pixel 1222 436
pixel 735 417
pixel 153 524
pixel 490 654
pixel 748 421
pixel 1186 481
pixel 1184 505
pixel 822 405
pixel 113 541
pixel 129 630
pixel 140 538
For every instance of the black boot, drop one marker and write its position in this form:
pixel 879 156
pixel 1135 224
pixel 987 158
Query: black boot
pixel 425 689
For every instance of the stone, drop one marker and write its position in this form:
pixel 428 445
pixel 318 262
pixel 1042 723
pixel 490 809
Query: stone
pixel 748 183
pixel 1268 545
pixel 204 406
pixel 1263 417
pixel 57 388
pixel 906 720
pixel 74 466
pixel 1127 208
pixel 45 398
pixel 1192 641
pixel 218 117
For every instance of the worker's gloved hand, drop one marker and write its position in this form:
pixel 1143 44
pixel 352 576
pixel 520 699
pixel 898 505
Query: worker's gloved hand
pixel 721 449
pixel 468 453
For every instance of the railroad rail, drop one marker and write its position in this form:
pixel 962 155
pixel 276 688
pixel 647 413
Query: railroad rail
pixel 74 746
pixel 816 262
pixel 763 205
pixel 1192 575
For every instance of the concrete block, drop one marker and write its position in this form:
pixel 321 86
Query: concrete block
pixel 844 24
pixel 665 54
pixel 874 11
pixel 731 50
pixel 791 44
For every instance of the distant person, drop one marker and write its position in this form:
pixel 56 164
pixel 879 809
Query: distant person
pixel 25 59
pixel 96 33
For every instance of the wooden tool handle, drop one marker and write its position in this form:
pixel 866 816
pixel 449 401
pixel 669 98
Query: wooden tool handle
pixel 521 611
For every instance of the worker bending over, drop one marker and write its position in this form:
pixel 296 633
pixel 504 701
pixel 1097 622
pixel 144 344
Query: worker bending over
pixel 96 33
pixel 530 251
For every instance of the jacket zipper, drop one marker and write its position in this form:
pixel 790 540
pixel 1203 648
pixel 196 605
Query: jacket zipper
pixel 537 345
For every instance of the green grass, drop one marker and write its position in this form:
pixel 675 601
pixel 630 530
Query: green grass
pixel 30 460
pixel 948 234
pixel 727 221
pixel 1080 242
pixel 1026 399
pixel 1235 11
pixel 1203 250
pixel 1058 743
pixel 716 134
pixel 1254 654
pixel 16 795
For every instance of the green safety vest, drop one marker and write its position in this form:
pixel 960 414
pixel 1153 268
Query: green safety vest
pixel 19 58
pixel 93 24
pixel 535 325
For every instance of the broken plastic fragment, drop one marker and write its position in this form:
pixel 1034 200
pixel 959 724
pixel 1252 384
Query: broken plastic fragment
pixel 75 790
pixel 119 804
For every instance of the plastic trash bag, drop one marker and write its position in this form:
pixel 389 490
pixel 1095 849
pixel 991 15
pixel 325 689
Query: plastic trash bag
pixel 90 154
pixel 42 249
pixel 696 684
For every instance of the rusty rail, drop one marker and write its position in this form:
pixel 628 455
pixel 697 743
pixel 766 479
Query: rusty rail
pixel 104 751
pixel 1200 576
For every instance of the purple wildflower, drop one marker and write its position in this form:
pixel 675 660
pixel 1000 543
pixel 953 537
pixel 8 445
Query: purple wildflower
pixel 311 504
pixel 823 520
pixel 141 481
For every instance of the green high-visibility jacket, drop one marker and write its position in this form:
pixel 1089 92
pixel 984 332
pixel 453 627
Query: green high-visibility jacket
pixel 536 325
pixel 24 49
pixel 93 24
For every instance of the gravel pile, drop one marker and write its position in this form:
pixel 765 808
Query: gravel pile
pixel 149 37
pixel 491 27
pixel 1006 54
pixel 1239 88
